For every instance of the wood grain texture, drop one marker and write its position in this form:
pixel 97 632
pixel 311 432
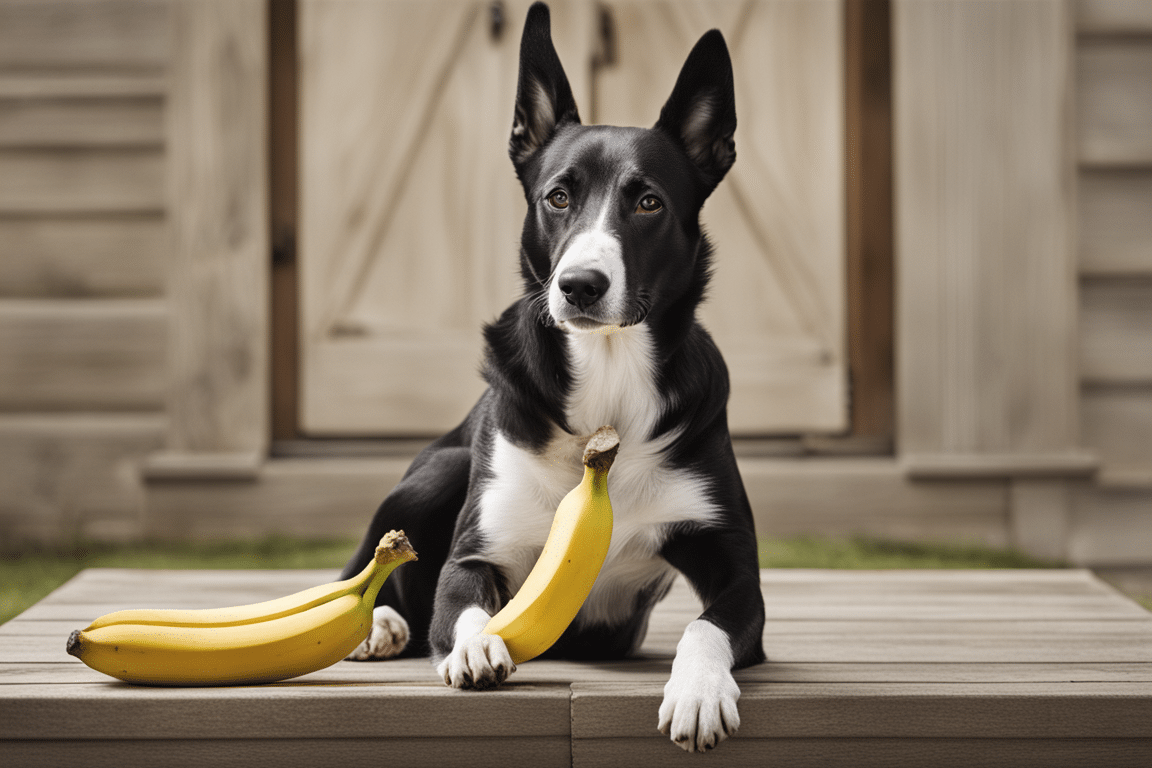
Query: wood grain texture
pixel 102 34
pixel 72 356
pixel 1116 331
pixel 70 180
pixel 1113 16
pixel 986 340
pixel 410 210
pixel 69 475
pixel 1114 100
pixel 218 200
pixel 1115 230
pixel 83 257
pixel 1055 708
pixel 777 299
pixel 62 122
pixel 1117 424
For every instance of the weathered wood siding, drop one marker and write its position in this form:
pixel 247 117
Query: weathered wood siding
pixel 1113 517
pixel 83 247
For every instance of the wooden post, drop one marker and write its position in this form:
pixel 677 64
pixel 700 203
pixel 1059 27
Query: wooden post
pixel 218 275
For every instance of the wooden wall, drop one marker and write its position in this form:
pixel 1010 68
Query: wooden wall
pixel 83 248
pixel 133 255
pixel 1113 516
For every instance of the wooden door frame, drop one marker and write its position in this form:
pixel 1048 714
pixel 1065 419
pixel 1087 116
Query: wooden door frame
pixel 869 246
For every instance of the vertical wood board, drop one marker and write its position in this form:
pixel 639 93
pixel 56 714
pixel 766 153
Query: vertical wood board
pixel 217 196
pixel 986 343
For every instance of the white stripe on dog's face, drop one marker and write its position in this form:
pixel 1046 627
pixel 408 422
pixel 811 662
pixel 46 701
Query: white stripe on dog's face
pixel 599 249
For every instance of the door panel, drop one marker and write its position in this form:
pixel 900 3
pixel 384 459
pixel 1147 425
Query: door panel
pixel 411 213
pixel 776 304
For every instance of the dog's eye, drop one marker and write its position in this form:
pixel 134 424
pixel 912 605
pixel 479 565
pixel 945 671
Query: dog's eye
pixel 649 204
pixel 558 199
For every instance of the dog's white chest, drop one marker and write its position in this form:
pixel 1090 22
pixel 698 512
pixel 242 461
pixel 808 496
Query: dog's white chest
pixel 520 498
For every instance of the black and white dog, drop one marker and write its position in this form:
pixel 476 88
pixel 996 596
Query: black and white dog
pixel 614 265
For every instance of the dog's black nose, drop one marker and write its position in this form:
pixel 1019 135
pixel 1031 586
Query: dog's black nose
pixel 583 287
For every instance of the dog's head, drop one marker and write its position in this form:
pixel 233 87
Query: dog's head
pixel 612 234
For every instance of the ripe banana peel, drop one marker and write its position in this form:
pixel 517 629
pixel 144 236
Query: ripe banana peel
pixel 559 583
pixel 258 643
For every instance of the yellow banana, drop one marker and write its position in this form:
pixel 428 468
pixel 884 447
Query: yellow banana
pixel 559 583
pixel 239 648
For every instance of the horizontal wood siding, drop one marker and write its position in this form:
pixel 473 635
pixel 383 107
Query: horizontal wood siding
pixel 1114 224
pixel 1111 519
pixel 80 356
pixel 84 246
pixel 69 475
pixel 83 256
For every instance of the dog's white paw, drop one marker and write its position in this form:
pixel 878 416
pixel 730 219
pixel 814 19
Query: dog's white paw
pixel 388 636
pixel 699 708
pixel 480 661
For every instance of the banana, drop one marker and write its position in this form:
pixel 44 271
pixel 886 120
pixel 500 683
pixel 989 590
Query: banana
pixel 559 583
pixel 259 643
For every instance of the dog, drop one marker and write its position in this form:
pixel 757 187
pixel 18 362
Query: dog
pixel 614 265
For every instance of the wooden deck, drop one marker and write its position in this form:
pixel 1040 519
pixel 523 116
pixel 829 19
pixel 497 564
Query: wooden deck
pixel 919 668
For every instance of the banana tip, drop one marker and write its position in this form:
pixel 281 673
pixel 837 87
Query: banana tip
pixel 395 546
pixel 74 643
pixel 601 449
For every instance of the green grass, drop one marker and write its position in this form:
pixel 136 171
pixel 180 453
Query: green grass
pixel 29 576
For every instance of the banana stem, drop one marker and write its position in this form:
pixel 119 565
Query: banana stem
pixel 394 550
pixel 601 450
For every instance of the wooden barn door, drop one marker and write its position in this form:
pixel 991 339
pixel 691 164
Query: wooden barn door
pixel 410 210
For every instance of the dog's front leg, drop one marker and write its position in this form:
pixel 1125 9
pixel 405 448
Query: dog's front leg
pixel 699 708
pixel 466 598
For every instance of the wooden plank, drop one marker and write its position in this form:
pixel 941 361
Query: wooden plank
pixel 1115 229
pixel 1116 331
pixel 218 208
pixel 478 751
pixel 1112 525
pixel 49 257
pixel 984 180
pixel 1114 101
pixel 83 84
pixel 55 34
pixel 1117 422
pixel 869 753
pixel 1102 17
pixel 39 123
pixel 66 355
pixel 285 712
pixel 69 475
pixel 644 669
pixel 81 181
pixel 892 710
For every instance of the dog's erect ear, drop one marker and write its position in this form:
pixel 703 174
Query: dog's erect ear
pixel 701 112
pixel 543 96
